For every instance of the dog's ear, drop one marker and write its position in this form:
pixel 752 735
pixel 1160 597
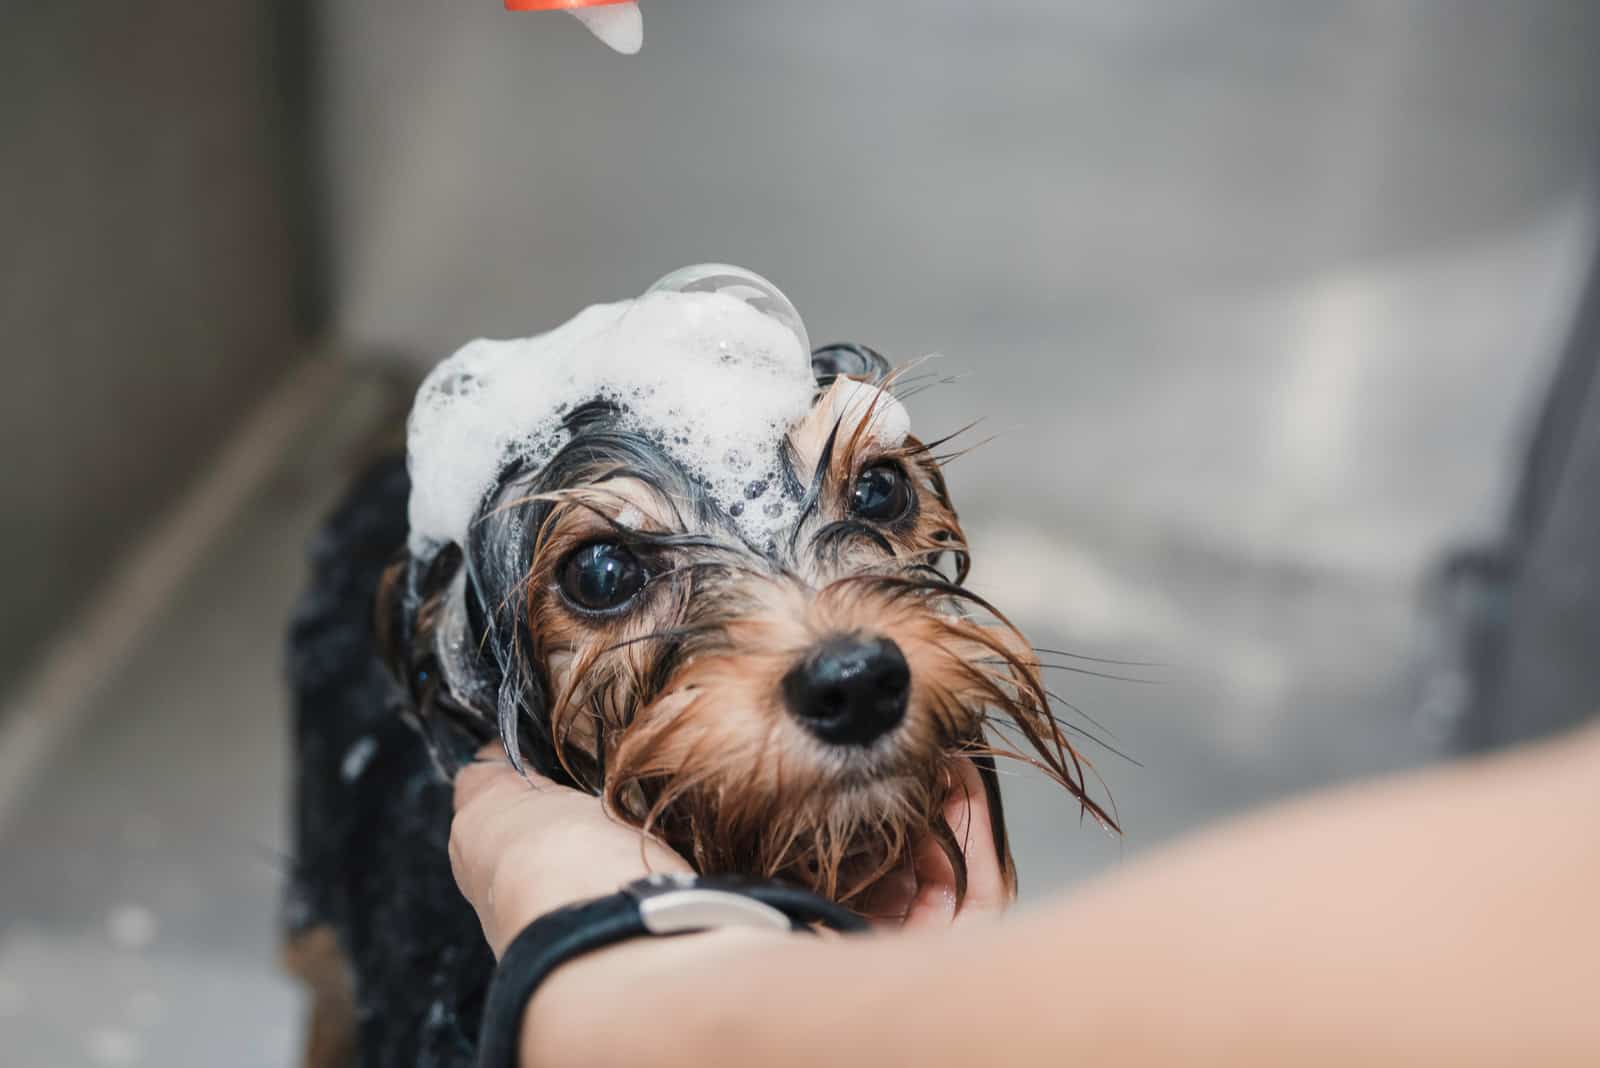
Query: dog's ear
pixel 848 358
pixel 389 623
pixel 406 611
pixel 414 606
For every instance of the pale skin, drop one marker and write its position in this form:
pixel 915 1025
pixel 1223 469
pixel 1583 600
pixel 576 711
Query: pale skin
pixel 1447 917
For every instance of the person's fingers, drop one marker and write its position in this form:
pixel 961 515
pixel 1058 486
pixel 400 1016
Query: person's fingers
pixel 494 806
pixel 888 904
pixel 521 846
pixel 933 900
pixel 969 815
pixel 490 815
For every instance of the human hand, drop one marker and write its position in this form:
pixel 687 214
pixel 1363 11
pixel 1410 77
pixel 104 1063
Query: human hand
pixel 520 848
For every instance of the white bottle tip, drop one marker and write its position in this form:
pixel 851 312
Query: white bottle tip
pixel 619 25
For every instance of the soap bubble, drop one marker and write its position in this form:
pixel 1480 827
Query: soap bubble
pixel 459 385
pixel 711 364
pixel 741 284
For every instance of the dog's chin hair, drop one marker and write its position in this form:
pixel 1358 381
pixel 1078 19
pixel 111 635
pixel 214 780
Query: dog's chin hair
pixel 838 822
pixel 839 836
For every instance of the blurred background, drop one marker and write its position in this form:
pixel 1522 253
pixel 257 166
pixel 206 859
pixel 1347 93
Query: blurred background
pixel 1279 314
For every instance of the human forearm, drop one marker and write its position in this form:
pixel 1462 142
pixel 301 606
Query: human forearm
pixel 1449 916
pixel 746 998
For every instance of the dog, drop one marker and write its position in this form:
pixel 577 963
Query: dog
pixel 793 709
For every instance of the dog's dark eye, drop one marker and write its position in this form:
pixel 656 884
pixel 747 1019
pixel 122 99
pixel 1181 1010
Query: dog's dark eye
pixel 881 493
pixel 601 577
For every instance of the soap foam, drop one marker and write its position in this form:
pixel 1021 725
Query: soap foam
pixel 711 375
pixel 620 26
pixel 887 419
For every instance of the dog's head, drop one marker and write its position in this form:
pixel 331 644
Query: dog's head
pixel 789 706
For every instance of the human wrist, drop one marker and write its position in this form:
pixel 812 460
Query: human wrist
pixel 660 907
pixel 657 985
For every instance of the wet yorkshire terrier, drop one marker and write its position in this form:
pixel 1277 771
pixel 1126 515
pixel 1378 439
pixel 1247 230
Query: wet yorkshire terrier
pixel 791 710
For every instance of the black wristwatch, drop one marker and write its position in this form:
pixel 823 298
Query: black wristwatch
pixel 660 905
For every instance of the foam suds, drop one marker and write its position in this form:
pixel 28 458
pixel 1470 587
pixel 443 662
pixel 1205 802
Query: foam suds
pixel 619 25
pixel 854 401
pixel 713 361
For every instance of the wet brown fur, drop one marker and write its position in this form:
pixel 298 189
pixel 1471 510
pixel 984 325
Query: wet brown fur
pixel 315 957
pixel 673 712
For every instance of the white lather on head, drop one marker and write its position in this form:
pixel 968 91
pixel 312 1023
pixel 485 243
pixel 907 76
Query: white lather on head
pixel 712 360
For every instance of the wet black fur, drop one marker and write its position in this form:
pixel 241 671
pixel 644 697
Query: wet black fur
pixel 378 730
pixel 371 847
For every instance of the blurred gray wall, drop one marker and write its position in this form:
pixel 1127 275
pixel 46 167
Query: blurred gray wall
pixel 147 247
pixel 1259 297
pixel 1232 267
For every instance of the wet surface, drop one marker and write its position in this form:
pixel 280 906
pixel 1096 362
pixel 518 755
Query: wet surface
pixel 140 895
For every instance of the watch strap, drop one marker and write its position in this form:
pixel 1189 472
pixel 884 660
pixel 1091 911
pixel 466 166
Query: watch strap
pixel 659 905
pixel 544 945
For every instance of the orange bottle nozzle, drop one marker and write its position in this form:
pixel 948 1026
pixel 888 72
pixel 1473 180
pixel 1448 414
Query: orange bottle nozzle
pixel 556 5
pixel 616 22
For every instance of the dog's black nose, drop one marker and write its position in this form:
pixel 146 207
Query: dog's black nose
pixel 850 689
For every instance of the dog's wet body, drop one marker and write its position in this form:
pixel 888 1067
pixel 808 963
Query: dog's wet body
pixel 392 953
pixel 791 710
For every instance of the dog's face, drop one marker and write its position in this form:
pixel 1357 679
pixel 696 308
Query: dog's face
pixel 794 709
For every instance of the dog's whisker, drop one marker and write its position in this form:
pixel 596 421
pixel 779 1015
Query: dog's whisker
pixel 903 395
pixel 1107 731
pixel 927 447
pixel 1086 735
pixel 920 378
pixel 1097 659
pixel 926 380
pixel 945 459
pixel 1091 673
